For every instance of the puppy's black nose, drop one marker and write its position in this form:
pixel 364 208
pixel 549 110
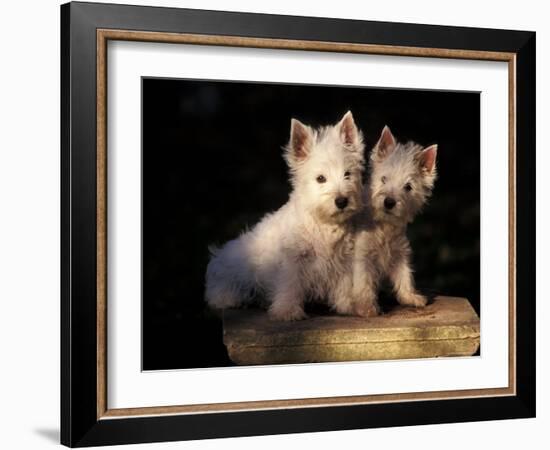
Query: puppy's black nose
pixel 389 203
pixel 341 202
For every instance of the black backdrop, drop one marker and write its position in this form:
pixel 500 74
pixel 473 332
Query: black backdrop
pixel 212 165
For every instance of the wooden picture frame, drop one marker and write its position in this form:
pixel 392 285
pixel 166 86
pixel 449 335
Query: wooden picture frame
pixel 86 418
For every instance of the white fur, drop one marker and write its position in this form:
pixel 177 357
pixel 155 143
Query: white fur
pixel 382 249
pixel 304 250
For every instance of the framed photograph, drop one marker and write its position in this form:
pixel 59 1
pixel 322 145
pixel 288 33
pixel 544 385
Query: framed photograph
pixel 268 220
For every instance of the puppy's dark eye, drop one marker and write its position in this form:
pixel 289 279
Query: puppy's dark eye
pixel 347 174
pixel 408 187
pixel 321 179
pixel 383 180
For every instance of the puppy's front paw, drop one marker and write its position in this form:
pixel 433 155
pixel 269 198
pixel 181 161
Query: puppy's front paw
pixel 286 312
pixel 413 299
pixel 366 309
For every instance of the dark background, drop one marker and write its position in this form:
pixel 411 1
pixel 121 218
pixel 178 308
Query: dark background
pixel 212 165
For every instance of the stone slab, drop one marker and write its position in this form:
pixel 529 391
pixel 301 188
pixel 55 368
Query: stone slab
pixel 448 326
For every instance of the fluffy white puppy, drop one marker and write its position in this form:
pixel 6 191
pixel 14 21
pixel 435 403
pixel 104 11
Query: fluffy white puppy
pixel 304 250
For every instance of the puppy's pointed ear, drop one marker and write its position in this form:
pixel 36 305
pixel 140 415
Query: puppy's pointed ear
pixel 349 133
pixel 301 140
pixel 385 145
pixel 426 159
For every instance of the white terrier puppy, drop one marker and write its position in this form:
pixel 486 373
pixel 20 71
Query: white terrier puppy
pixel 401 179
pixel 304 250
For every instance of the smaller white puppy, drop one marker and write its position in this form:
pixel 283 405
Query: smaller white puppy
pixel 401 179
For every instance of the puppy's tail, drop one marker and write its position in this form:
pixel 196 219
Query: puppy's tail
pixel 227 276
